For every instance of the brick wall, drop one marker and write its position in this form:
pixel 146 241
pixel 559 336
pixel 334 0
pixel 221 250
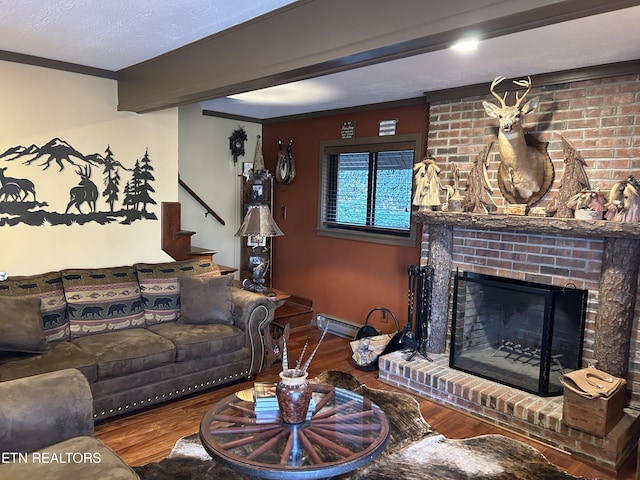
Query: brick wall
pixel 601 119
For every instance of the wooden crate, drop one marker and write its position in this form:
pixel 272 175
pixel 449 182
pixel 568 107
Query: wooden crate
pixel 593 415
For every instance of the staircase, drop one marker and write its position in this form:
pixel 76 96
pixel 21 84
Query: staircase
pixel 175 241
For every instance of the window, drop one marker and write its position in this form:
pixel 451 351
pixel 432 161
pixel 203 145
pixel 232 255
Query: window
pixel 366 188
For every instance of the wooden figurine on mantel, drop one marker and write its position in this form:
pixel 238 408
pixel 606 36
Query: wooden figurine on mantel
pixel 624 201
pixel 456 202
pixel 428 185
pixel 478 188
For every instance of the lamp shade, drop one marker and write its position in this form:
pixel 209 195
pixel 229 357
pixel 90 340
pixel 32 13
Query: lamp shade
pixel 259 222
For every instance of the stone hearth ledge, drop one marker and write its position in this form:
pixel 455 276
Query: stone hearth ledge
pixel 535 417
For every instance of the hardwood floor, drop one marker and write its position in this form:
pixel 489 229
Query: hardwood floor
pixel 149 436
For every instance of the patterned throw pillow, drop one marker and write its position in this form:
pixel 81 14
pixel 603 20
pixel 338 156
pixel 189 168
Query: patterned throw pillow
pixel 102 300
pixel 160 288
pixel 53 306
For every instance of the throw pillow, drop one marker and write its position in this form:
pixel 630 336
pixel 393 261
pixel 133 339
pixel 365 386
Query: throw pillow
pixel 53 307
pixel 21 327
pixel 102 300
pixel 206 300
pixel 160 289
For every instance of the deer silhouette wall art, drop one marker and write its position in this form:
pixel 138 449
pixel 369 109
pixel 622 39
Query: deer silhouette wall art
pixel 85 192
pixel 526 171
pixel 11 186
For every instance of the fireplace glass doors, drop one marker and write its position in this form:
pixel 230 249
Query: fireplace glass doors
pixel 518 333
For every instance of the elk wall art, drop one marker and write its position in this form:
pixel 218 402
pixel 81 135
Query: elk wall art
pixel 90 188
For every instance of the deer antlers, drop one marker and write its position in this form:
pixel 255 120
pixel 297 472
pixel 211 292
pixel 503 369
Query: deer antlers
pixel 84 173
pixel 519 98
pixel 522 83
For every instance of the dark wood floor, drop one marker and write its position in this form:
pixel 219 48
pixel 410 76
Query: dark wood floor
pixel 150 435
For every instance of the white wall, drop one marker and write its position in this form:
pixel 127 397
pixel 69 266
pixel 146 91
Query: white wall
pixel 207 167
pixel 39 104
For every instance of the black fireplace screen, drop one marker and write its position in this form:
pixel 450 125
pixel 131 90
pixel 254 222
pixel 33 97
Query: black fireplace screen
pixel 522 334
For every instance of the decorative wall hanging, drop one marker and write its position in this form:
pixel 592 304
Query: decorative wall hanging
pixel 526 170
pixel 285 167
pixel 387 127
pixel 236 143
pixel 18 203
pixel 348 129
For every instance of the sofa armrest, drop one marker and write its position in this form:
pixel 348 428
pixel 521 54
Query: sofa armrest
pixel 252 313
pixel 44 409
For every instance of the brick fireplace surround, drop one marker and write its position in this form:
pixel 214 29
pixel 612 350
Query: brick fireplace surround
pixel 600 119
pixel 536 417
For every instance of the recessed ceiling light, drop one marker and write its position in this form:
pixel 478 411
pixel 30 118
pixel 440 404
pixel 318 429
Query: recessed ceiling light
pixel 468 45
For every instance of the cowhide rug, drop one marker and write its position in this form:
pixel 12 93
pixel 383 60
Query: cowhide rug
pixel 414 450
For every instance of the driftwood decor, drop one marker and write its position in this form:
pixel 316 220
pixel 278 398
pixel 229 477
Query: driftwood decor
pixel 478 194
pixel 526 170
pixel 574 180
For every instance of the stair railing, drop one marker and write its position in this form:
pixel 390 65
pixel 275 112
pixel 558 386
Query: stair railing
pixel 195 196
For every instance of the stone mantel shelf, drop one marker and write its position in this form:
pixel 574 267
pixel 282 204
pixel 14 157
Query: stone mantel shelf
pixel 521 223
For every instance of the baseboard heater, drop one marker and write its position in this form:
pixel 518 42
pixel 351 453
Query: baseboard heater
pixel 337 326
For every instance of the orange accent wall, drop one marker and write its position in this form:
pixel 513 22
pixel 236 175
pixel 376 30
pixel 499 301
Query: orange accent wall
pixel 344 278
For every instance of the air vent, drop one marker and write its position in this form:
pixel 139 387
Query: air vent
pixel 338 326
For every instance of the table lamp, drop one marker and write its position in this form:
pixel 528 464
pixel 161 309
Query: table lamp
pixel 258 223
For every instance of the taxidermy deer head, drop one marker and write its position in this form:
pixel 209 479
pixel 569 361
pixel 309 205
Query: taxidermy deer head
pixel 526 172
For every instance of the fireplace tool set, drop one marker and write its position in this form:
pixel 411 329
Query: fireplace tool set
pixel 415 334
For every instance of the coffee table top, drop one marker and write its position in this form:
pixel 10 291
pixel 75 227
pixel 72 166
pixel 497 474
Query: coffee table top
pixel 345 432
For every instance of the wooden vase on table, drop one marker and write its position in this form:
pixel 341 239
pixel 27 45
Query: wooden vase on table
pixel 294 395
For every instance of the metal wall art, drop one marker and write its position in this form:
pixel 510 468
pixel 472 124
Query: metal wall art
pixel 125 203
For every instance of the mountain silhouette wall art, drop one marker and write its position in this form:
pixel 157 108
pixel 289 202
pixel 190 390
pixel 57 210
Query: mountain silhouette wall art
pixel 95 187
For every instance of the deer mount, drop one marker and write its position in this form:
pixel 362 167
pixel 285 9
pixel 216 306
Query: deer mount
pixel 526 170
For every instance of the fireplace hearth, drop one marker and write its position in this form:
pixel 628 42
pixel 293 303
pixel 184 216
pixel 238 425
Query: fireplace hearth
pixel 518 333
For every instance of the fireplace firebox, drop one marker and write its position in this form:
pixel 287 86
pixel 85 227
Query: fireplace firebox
pixel 518 333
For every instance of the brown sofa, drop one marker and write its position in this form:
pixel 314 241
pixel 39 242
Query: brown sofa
pixel 140 334
pixel 47 431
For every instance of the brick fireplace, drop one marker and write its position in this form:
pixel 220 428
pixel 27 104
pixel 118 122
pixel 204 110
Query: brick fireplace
pixel 487 243
pixel 600 119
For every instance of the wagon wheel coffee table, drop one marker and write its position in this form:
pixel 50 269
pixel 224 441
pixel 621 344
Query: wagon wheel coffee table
pixel 344 432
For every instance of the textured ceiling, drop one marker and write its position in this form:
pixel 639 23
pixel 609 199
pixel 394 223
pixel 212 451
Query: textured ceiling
pixel 114 34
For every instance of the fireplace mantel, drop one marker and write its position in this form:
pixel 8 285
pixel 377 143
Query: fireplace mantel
pixel 521 223
pixel 618 277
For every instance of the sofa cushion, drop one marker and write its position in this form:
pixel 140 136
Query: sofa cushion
pixel 127 351
pixel 102 300
pixel 160 288
pixel 199 341
pixel 61 355
pixel 21 325
pixel 206 300
pixel 48 288
pixel 78 458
